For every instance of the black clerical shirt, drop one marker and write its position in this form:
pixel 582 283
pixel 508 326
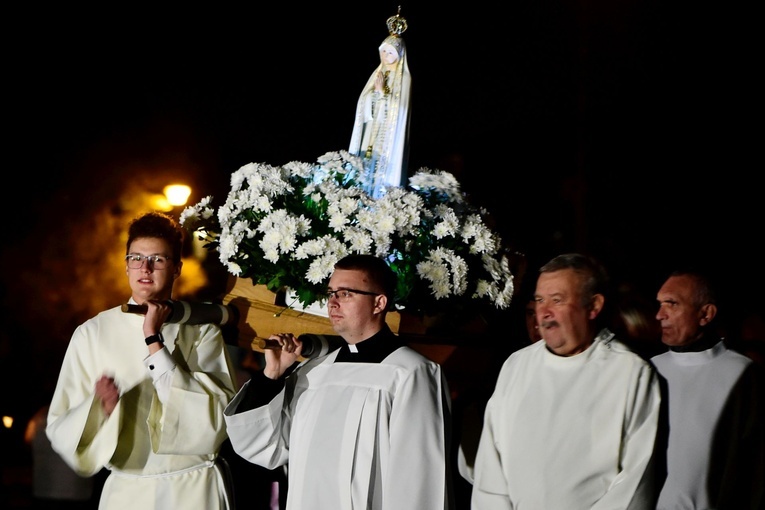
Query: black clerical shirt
pixel 261 390
pixel 706 341
pixel 372 350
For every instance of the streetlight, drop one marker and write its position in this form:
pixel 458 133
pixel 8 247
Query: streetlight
pixel 177 194
pixel 174 195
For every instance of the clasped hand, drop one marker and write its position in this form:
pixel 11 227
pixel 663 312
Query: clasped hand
pixel 279 360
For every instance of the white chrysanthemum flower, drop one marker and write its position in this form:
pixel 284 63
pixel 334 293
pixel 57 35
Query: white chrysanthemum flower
pixel 310 248
pixel 280 231
pixel 225 214
pixel 351 159
pixel 196 213
pixel 338 219
pixel 508 284
pixel 233 268
pixel 483 240
pixel 332 162
pixel 482 289
pixel 348 205
pixel 321 268
pixel 241 229
pixel 325 159
pixel 269 245
pixel 502 285
pixel 302 225
pixel 459 274
pixel 190 215
pixel 445 228
pixel 358 240
pixel 446 271
pixel 238 178
pixel 493 267
pixel 338 222
pixel 437 274
pixel 261 203
pixel 270 253
pixel 228 247
pixel 381 245
pixel 260 221
pixel 298 169
pixel 365 219
pixel 437 181
pixel 384 223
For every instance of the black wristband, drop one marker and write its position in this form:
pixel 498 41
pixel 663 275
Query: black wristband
pixel 155 338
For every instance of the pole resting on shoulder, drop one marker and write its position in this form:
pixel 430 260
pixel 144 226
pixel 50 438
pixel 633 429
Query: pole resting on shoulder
pixel 185 312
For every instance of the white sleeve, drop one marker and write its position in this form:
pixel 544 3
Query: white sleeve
pixel 161 367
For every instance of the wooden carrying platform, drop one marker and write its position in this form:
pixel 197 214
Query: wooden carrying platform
pixel 260 316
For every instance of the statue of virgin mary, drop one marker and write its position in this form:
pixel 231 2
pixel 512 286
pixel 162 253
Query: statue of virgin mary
pixel 381 128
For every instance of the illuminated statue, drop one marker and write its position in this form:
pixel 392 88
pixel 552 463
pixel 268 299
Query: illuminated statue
pixel 381 129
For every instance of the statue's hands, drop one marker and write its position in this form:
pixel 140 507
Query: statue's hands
pixel 379 82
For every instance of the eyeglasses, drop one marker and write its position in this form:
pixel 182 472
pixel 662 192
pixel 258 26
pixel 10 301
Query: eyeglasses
pixel 135 261
pixel 347 294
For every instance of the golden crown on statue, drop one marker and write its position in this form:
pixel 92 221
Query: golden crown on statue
pixel 396 24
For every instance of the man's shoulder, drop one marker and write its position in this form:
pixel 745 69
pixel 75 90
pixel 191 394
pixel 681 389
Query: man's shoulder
pixel 528 350
pixel 104 324
pixel 108 315
pixel 529 354
pixel 618 347
pixel 736 360
pixel 408 357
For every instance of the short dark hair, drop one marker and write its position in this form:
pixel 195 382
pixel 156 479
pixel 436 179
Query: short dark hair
pixel 157 225
pixel 593 273
pixel 708 288
pixel 378 271
pixel 705 291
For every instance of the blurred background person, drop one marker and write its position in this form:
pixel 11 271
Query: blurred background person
pixel 55 485
pixel 635 323
pixel 530 318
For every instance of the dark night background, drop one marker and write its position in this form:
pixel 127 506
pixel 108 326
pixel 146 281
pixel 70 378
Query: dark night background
pixel 624 129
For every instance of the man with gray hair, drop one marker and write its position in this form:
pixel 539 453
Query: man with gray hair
pixel 715 454
pixel 573 419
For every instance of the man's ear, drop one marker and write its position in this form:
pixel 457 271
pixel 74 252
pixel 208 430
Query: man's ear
pixel 381 303
pixel 178 267
pixel 596 305
pixel 708 312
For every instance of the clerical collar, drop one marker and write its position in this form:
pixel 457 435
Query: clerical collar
pixel 372 350
pixel 707 341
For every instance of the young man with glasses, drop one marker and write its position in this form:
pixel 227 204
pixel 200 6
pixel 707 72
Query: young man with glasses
pixel 365 426
pixel 144 398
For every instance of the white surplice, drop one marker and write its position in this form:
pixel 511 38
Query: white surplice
pixel 573 433
pixel 354 435
pixel 161 456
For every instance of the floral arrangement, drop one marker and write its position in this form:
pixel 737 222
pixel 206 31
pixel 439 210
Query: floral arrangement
pixel 286 226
